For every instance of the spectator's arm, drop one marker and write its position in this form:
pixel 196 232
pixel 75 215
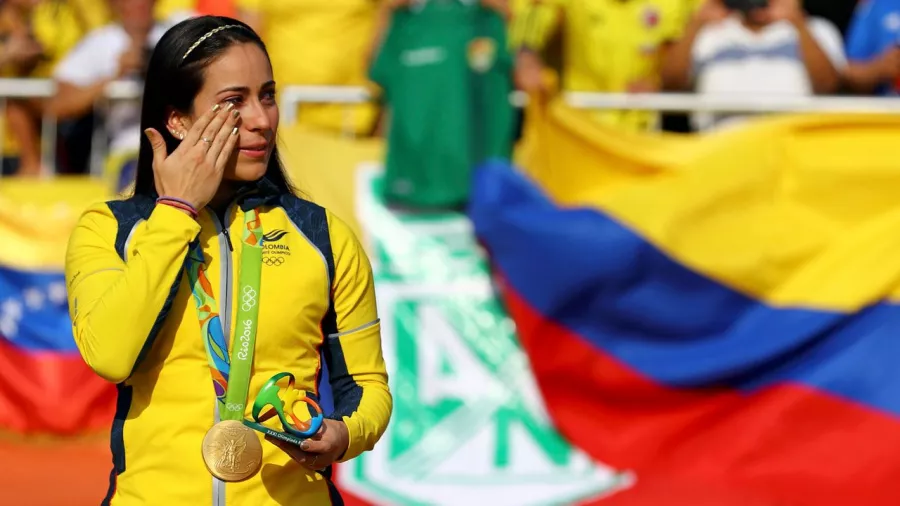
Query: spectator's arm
pixel 24 122
pixel 822 74
pixel 677 58
pixel 822 51
pixel 5 58
pixel 677 53
pixel 869 63
pixel 250 12
pixel 533 24
pixel 73 101
pixel 382 24
pixel 81 78
pixel 253 18
pixel 19 49
pixel 865 76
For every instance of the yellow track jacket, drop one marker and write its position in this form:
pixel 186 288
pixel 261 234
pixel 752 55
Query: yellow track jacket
pixel 136 325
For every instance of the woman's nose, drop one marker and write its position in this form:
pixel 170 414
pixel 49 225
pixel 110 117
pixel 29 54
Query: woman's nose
pixel 255 117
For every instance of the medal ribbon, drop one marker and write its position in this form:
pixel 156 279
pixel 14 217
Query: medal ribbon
pixel 230 374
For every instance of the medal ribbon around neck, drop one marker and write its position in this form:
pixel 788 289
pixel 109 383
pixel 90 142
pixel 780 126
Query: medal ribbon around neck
pixel 230 374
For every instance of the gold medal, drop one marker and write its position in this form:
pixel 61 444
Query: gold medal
pixel 232 451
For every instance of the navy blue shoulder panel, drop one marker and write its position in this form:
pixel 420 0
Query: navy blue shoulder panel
pixel 312 221
pixel 128 213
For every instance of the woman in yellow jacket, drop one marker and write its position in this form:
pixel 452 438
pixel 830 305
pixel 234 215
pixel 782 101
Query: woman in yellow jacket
pixel 213 278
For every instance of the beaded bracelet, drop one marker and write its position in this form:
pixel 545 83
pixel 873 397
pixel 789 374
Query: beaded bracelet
pixel 178 204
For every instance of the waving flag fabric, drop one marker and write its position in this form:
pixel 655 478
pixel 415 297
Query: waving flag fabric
pixel 44 384
pixel 723 322
pixel 217 8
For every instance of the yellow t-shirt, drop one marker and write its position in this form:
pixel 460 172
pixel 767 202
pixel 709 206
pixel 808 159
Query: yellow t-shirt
pixel 96 13
pixel 166 8
pixel 58 27
pixel 93 13
pixel 320 42
pixel 609 45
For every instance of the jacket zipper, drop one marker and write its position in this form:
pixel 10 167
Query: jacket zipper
pixel 228 238
pixel 225 288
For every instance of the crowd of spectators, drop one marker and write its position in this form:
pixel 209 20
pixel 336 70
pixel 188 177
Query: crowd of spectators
pixel 733 47
pixel 783 47
pixel 84 45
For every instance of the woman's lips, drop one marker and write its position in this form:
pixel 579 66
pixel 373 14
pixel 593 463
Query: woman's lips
pixel 256 151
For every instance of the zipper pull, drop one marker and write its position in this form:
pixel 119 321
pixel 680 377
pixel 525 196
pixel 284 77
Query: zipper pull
pixel 228 238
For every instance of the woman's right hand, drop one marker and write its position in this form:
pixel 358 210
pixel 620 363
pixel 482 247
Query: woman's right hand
pixel 193 171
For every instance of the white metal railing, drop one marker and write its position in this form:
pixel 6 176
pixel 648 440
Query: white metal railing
pixel 45 88
pixel 292 96
pixel 29 88
pixel 688 102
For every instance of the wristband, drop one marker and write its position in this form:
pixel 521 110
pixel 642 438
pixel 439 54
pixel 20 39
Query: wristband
pixel 178 204
pixel 180 201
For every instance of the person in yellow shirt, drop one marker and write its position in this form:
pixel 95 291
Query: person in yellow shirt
pixel 608 46
pixel 211 281
pixel 92 13
pixel 37 34
pixel 96 13
pixel 319 42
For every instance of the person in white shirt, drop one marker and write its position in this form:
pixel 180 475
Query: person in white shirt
pixel 117 51
pixel 771 50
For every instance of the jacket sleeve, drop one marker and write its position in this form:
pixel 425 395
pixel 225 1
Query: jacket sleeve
pixel 357 371
pixel 114 305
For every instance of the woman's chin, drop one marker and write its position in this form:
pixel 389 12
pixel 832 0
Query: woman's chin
pixel 248 171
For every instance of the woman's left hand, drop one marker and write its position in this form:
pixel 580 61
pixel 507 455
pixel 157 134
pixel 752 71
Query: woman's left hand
pixel 322 449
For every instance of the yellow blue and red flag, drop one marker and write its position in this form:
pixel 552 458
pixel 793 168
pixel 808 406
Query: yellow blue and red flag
pixel 44 384
pixel 719 314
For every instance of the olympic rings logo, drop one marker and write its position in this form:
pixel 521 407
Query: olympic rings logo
pixel 273 261
pixel 234 408
pixel 248 298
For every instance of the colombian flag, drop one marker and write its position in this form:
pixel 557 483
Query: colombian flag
pixel 44 384
pixel 718 314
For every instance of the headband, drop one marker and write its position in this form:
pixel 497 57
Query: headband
pixel 206 36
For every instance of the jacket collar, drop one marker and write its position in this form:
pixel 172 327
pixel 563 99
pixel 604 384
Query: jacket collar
pixel 257 193
pixel 249 196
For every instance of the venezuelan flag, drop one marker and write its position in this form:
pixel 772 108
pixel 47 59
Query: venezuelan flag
pixel 724 322
pixel 44 384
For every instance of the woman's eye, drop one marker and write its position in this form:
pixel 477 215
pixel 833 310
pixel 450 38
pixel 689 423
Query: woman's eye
pixel 233 100
pixel 268 96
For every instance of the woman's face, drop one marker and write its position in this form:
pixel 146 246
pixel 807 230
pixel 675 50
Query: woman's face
pixel 242 75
